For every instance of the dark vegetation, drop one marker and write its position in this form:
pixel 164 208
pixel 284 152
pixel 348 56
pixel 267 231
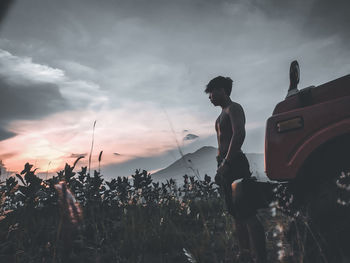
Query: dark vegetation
pixel 78 217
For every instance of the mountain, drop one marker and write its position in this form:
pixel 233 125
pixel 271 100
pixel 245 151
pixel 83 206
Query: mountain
pixel 203 161
pixel 153 162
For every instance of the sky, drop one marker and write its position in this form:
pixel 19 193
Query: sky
pixel 139 69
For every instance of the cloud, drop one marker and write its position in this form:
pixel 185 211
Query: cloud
pixel 30 100
pixel 77 155
pixel 7 155
pixel 4 134
pixel 141 56
pixel 134 51
pixel 22 69
pixel 22 99
pixel 29 91
pixel 5 6
pixel 190 137
pixel 317 18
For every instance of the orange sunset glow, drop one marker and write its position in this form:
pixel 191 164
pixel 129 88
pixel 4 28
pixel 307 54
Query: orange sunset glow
pixel 41 143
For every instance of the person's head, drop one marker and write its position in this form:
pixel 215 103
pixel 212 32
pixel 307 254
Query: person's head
pixel 219 89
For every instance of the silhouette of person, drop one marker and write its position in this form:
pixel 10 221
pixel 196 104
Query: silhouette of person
pixel 233 175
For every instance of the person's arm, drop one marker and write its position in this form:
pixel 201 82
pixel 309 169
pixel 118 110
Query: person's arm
pixel 217 137
pixel 237 119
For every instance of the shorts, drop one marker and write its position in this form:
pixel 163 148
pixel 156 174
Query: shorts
pixel 247 195
pixel 239 168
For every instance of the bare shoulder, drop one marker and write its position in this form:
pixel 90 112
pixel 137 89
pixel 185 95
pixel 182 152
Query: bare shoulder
pixel 235 108
pixel 236 112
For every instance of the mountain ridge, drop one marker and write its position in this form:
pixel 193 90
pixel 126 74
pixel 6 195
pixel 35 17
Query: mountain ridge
pixel 203 161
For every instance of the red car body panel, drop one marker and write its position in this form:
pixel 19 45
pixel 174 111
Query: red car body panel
pixel 325 114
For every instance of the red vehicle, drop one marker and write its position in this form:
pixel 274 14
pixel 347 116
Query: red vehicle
pixel 307 146
pixel 309 122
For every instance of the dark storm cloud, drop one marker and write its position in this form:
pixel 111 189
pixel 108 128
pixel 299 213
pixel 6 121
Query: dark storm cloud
pixel 5 6
pixel 5 134
pixel 318 18
pixel 89 18
pixel 331 17
pixel 28 101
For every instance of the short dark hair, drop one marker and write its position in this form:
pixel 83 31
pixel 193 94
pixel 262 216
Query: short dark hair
pixel 220 82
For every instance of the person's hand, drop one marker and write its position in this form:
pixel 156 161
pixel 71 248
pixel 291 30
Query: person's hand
pixel 218 179
pixel 221 171
pixel 223 168
pixel 218 160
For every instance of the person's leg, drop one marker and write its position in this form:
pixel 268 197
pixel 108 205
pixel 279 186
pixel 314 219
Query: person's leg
pixel 257 239
pixel 242 193
pixel 242 236
pixel 228 190
pixel 242 233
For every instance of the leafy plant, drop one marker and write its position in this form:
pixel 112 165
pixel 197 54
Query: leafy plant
pixel 81 217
